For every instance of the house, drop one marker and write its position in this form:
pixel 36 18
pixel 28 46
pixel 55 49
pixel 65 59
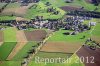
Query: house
pixel 92 23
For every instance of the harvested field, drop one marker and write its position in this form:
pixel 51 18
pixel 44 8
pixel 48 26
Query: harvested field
pixel 21 10
pixel 21 39
pixel 1 43
pixel 1 36
pixel 96 38
pixel 21 19
pixel 70 8
pixel 62 47
pixel 16 9
pixel 87 52
pixel 36 35
pixel 21 36
pixel 8 11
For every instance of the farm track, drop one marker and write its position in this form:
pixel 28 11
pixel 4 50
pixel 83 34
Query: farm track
pixel 21 39
pixel 1 36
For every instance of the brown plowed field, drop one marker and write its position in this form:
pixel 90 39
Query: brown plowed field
pixel 87 52
pixel 36 35
pixel 63 47
pixel 70 8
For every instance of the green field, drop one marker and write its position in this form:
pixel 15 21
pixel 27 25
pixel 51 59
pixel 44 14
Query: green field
pixel 24 51
pixel 10 35
pixel 6 18
pixel 59 36
pixel 96 31
pixel 79 3
pixel 6 49
pixel 40 9
pixel 10 63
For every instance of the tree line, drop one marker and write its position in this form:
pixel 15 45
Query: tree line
pixel 85 13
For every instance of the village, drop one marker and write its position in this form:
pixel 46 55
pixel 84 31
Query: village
pixel 74 23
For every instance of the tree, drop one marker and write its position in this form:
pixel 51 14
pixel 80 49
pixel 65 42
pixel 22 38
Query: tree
pixel 48 3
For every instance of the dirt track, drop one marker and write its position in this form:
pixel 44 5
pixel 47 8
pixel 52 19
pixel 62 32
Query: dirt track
pixel 86 52
pixel 21 39
pixel 60 47
pixel 1 36
pixel 36 35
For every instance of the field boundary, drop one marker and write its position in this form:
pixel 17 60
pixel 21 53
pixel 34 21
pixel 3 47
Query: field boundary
pixel 56 52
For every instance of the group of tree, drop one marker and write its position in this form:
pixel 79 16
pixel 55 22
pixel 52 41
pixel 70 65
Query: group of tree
pixel 96 2
pixel 69 1
pixel 53 10
pixel 85 13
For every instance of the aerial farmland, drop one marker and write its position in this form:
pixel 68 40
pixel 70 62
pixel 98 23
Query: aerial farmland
pixel 49 32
